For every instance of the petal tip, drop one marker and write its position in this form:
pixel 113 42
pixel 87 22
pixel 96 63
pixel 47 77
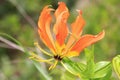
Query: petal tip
pixel 102 34
pixel 79 11
pixel 61 3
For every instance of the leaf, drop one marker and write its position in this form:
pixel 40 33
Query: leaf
pixel 99 70
pixel 11 38
pixel 107 77
pixel 89 54
pixel 72 67
pixel 102 69
pixel 17 45
pixel 67 76
pixel 116 65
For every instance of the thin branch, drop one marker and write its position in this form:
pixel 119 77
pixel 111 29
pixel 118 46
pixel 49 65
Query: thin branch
pixel 5 46
pixel 11 44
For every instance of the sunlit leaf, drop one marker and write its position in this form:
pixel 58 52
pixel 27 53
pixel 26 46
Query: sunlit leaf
pixel 89 54
pixel 67 76
pixel 74 68
pixel 116 65
pixel 102 69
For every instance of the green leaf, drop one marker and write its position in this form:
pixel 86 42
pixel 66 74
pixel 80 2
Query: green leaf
pixel 102 70
pixel 107 77
pixel 11 38
pixel 14 43
pixel 99 70
pixel 72 67
pixel 116 65
pixel 89 54
pixel 67 76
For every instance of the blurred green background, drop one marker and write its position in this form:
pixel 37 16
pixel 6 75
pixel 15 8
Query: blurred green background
pixel 18 18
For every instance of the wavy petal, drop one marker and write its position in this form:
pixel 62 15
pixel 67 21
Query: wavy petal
pixel 76 27
pixel 61 8
pixel 44 27
pixel 60 28
pixel 83 42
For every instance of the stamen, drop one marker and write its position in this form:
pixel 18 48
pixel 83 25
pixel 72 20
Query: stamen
pixel 57 57
pixel 36 44
pixel 47 61
pixel 37 58
pixel 54 65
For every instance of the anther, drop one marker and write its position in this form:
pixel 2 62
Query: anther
pixel 57 57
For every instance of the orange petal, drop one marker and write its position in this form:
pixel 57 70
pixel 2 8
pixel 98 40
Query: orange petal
pixel 60 28
pixel 76 27
pixel 44 27
pixel 61 8
pixel 85 41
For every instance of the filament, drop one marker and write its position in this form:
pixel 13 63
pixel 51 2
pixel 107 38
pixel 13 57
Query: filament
pixel 54 65
pixel 37 58
pixel 42 50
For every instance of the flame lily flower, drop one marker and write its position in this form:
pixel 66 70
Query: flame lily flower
pixel 60 40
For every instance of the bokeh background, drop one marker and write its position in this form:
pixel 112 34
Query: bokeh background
pixel 18 18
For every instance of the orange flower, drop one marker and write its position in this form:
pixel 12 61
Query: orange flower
pixel 60 40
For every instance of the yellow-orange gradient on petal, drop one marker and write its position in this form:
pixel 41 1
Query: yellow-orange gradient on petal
pixel 44 27
pixel 75 42
pixel 60 27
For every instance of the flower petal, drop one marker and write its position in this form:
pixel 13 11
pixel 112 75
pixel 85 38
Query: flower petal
pixel 60 28
pixel 44 27
pixel 83 42
pixel 76 28
pixel 61 8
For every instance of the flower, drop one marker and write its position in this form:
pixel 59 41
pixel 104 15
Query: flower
pixel 60 40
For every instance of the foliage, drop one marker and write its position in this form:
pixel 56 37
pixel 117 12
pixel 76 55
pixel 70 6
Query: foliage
pixel 89 71
pixel 116 65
